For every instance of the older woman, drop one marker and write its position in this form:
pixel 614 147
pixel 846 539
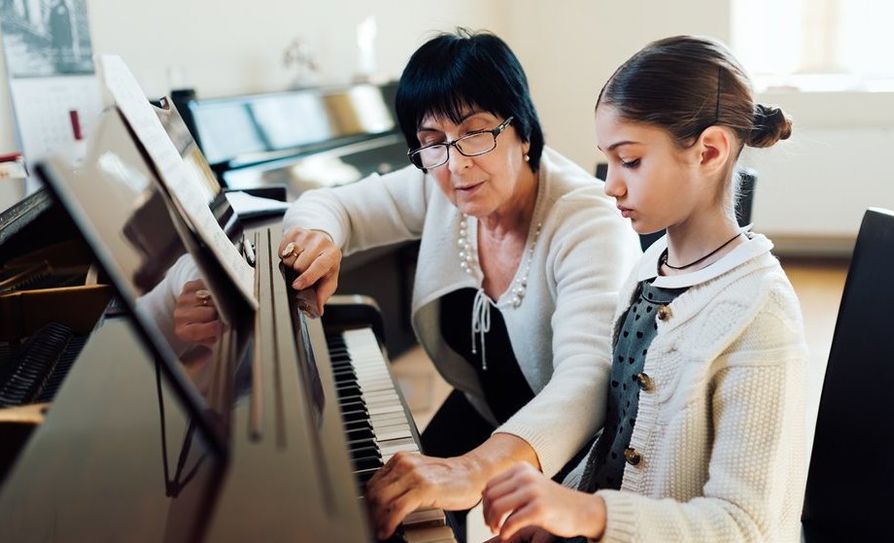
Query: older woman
pixel 520 261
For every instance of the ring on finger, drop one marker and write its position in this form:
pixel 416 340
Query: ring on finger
pixel 203 296
pixel 290 250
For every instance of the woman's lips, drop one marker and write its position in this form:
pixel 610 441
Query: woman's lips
pixel 625 212
pixel 468 189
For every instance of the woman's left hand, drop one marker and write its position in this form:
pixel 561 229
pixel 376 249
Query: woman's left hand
pixel 410 481
pixel 522 497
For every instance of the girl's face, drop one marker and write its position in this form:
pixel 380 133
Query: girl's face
pixel 480 185
pixel 655 183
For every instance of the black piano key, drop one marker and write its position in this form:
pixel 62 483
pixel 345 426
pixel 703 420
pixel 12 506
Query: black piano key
pixel 367 463
pixel 343 374
pixel 366 452
pixel 362 443
pixel 364 475
pixel 355 413
pixel 358 424
pixel 347 388
pixel 360 433
pixel 349 398
pixel 351 406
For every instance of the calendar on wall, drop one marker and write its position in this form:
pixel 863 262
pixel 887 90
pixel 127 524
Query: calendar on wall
pixel 49 62
pixel 52 112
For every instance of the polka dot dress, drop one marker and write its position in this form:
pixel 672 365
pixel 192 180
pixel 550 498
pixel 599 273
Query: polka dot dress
pixel 605 464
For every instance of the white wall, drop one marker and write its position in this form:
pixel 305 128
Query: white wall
pixel 225 48
pixel 570 48
pixel 837 163
pixel 815 185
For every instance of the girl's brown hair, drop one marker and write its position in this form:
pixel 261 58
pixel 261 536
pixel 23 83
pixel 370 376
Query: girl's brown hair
pixel 685 84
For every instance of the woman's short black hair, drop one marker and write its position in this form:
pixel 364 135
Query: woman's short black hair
pixel 454 71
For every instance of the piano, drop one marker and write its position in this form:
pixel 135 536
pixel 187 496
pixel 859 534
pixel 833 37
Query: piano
pixel 310 138
pixel 265 432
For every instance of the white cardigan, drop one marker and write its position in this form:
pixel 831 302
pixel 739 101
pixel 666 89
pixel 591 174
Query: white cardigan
pixel 560 333
pixel 722 433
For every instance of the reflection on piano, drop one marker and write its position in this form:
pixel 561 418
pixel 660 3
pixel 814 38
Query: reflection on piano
pixel 311 410
pixel 49 303
pixel 312 138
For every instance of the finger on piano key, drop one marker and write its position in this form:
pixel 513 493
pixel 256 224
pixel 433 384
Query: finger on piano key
pixel 422 518
pixel 440 534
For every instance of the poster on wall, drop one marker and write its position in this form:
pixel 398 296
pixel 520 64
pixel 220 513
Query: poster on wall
pixel 52 81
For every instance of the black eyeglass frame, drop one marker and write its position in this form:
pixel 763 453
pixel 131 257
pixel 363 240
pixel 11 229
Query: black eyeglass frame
pixel 414 153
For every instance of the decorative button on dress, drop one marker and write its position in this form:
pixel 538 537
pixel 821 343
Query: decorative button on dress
pixel 606 462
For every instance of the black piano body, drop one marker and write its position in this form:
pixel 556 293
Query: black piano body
pixel 117 455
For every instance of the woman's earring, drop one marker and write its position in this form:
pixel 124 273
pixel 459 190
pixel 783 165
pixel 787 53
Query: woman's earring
pixel 527 157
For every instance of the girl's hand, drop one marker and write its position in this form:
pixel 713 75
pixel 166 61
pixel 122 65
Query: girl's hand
pixel 522 497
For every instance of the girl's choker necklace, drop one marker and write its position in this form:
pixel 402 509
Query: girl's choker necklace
pixel 662 260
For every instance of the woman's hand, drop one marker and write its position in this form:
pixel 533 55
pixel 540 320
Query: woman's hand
pixel 522 497
pixel 317 260
pixel 410 481
pixel 195 317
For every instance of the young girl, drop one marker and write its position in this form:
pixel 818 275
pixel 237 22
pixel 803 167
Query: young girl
pixel 703 431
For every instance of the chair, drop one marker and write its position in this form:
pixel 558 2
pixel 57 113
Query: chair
pixel 748 179
pixel 850 484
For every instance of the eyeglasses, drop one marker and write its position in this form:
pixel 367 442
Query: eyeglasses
pixel 470 145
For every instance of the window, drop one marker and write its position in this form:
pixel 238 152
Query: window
pixel 816 45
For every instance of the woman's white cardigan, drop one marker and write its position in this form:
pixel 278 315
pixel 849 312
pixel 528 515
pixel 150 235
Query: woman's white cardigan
pixel 560 333
pixel 722 433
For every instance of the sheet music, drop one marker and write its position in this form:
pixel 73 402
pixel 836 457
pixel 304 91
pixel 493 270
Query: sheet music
pixel 246 205
pixel 173 172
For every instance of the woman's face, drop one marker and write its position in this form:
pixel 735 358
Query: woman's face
pixel 653 181
pixel 481 185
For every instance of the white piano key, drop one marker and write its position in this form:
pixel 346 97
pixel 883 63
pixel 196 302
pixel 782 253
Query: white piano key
pixel 439 534
pixel 425 517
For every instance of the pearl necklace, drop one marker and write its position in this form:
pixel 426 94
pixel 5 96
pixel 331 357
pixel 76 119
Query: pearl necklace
pixel 468 260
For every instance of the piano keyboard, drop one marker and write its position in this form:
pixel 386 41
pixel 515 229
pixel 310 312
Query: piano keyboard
pixel 376 422
pixel 33 372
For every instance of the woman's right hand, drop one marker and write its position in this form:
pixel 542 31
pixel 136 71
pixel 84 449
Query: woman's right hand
pixel 316 259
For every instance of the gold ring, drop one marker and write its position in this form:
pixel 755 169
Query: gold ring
pixel 203 296
pixel 289 250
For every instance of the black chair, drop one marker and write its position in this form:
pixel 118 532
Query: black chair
pixel 850 484
pixel 748 180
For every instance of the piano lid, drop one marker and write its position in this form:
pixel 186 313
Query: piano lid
pixel 183 305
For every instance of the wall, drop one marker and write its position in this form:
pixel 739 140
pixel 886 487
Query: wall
pixel 569 49
pixel 811 188
pixel 225 48
pixel 815 185
pixel 236 47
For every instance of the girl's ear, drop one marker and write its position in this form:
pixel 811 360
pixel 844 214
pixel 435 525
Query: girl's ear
pixel 714 146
